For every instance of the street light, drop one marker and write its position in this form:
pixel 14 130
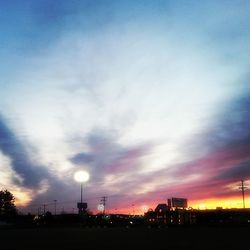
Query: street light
pixel 82 177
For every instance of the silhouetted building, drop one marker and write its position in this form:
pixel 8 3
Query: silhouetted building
pixel 177 202
pixel 168 215
pixel 162 212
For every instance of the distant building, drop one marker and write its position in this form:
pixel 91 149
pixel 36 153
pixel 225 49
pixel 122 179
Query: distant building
pixel 177 202
pixel 173 213
pixel 161 212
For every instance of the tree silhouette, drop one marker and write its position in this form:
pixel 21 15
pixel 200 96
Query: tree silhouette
pixel 7 204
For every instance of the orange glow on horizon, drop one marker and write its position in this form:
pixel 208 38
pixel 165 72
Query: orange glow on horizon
pixel 22 200
pixel 233 202
pixel 212 203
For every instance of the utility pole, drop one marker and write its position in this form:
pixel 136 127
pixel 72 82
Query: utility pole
pixel 103 200
pixel 55 205
pixel 44 206
pixel 243 188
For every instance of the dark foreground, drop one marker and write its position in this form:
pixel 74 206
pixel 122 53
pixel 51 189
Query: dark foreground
pixel 126 238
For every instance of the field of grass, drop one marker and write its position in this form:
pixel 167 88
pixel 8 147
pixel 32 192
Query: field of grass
pixel 126 238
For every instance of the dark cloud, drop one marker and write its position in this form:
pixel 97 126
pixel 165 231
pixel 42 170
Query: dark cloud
pixel 240 171
pixel 230 126
pixel 11 146
pixel 82 158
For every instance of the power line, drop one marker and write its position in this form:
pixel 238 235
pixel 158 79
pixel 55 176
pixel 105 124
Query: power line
pixel 103 200
pixel 243 188
pixel 44 208
pixel 55 206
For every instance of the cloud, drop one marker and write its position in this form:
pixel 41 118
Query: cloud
pixel 32 183
pixel 105 156
pixel 225 154
pixel 214 173
pixel 82 158
pixel 236 173
pixel 30 174
pixel 114 169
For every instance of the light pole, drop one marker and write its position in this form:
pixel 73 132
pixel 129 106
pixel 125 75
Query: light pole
pixel 82 177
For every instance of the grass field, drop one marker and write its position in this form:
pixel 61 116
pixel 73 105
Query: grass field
pixel 126 238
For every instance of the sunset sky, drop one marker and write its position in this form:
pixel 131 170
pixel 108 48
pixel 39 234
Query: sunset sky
pixel 152 98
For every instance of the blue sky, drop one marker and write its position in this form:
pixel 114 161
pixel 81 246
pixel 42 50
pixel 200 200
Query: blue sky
pixel 142 94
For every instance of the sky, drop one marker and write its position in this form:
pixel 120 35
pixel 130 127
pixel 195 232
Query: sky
pixel 152 98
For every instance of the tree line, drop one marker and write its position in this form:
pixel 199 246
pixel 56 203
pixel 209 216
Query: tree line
pixel 7 205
